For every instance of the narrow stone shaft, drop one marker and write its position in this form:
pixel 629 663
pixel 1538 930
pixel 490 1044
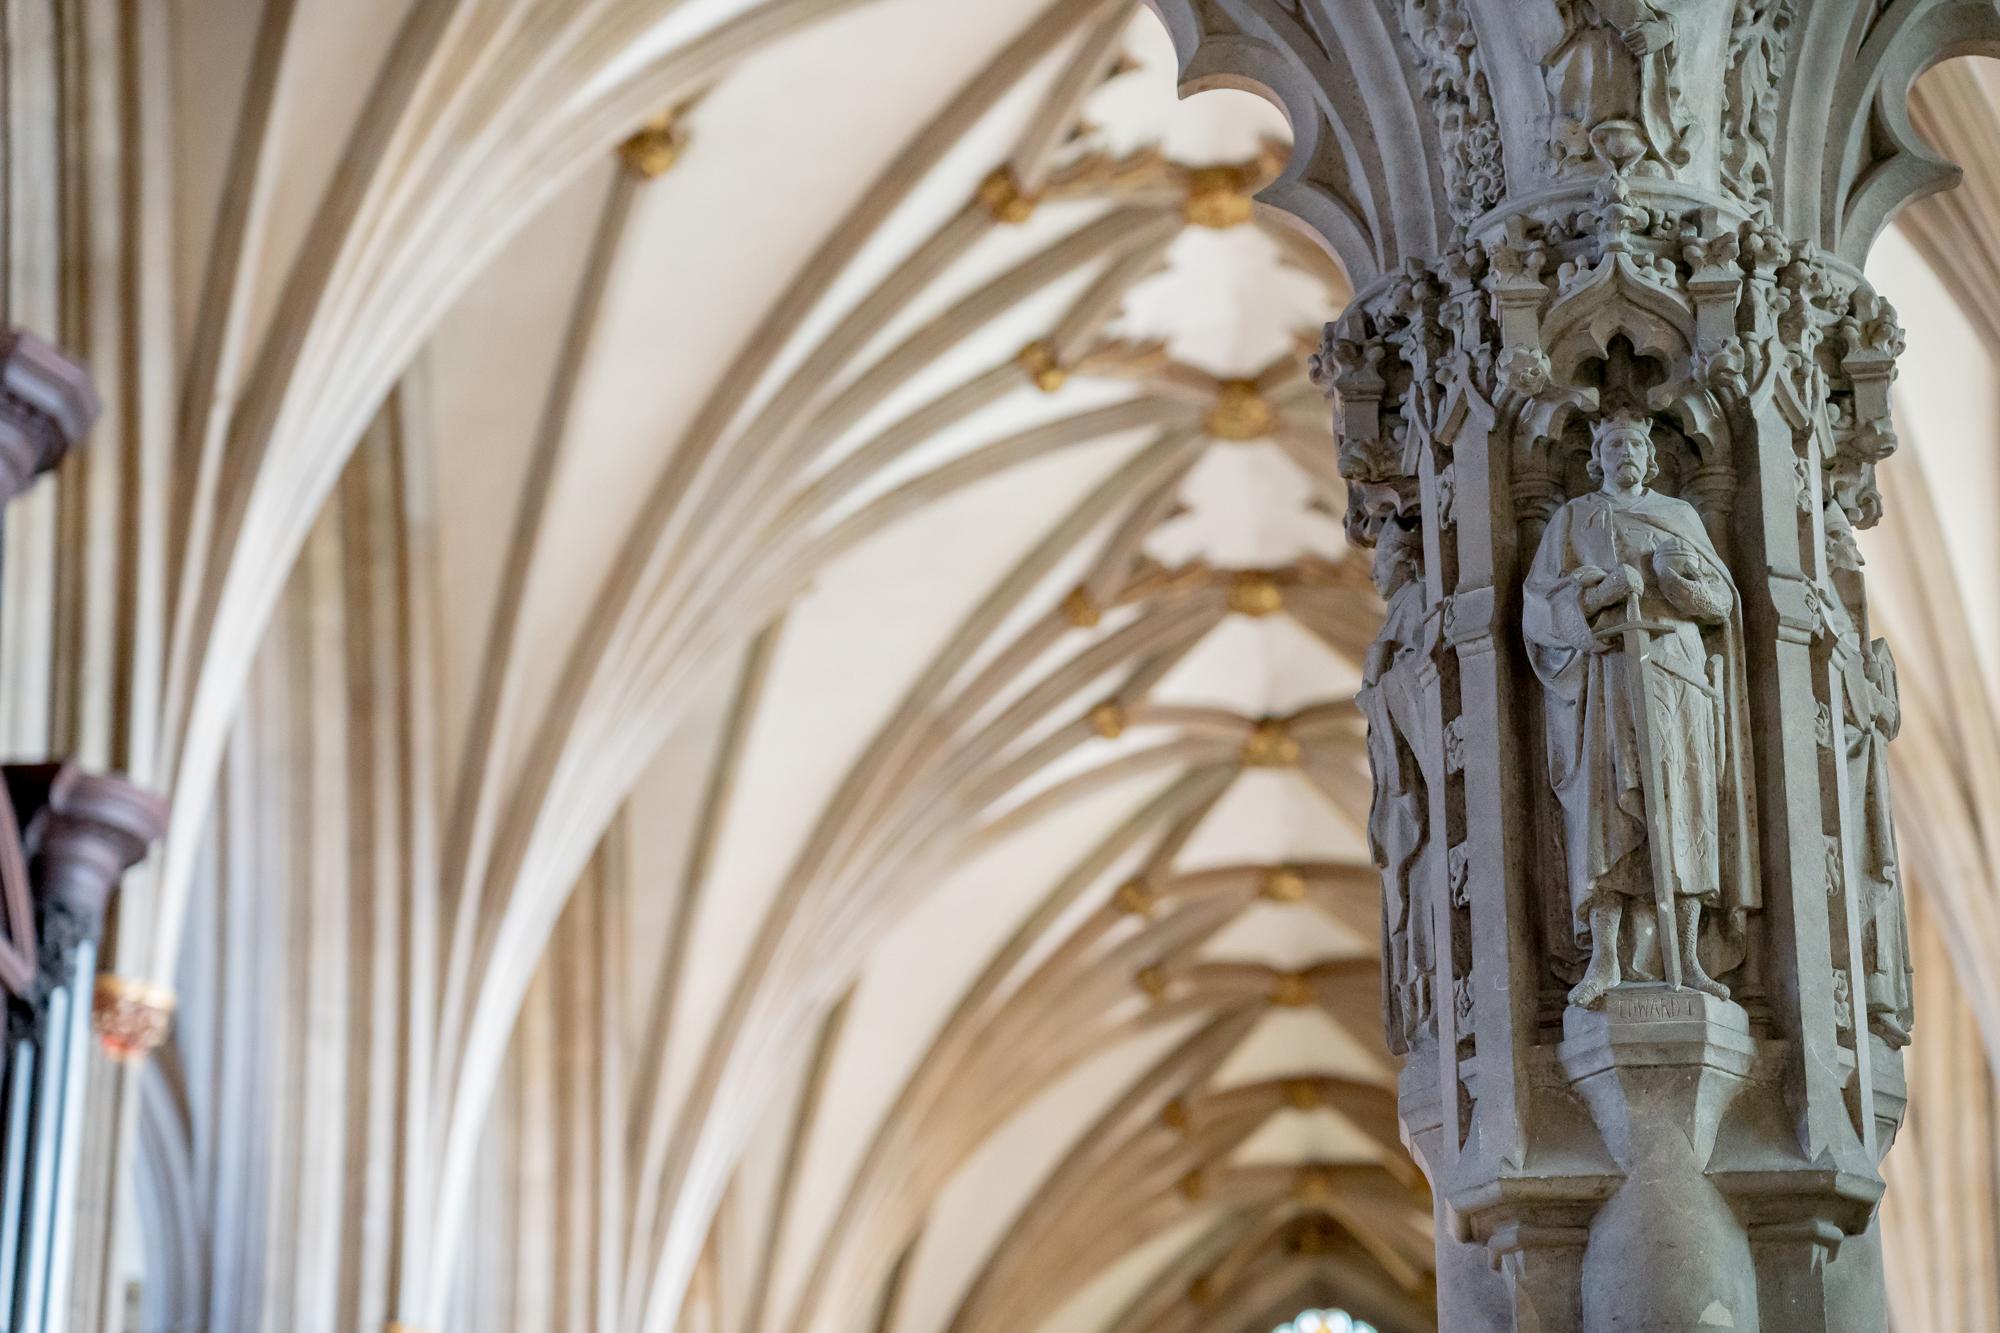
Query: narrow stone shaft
pixel 1610 400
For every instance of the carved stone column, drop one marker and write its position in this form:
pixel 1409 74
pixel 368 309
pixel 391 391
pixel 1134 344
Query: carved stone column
pixel 1610 400
pixel 80 833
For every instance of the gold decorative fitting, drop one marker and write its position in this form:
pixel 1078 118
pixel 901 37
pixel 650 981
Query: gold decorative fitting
pixel 1293 991
pixel 1038 358
pixel 1001 195
pixel 1201 1291
pixel 1284 885
pixel 1194 1186
pixel 1108 720
pixel 1081 609
pixel 1302 1094
pixel 1313 1184
pixel 1270 745
pixel 1241 413
pixel 1315 1238
pixel 131 1017
pixel 1135 897
pixel 1153 981
pixel 1253 592
pixel 656 148
pixel 1218 198
pixel 1174 1115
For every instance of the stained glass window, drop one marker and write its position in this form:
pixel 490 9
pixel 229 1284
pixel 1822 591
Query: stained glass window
pixel 1326 1321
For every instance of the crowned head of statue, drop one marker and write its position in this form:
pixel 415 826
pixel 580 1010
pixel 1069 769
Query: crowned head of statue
pixel 1622 458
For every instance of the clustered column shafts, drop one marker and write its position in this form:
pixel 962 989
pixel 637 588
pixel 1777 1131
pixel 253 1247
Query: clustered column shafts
pixel 66 837
pixel 1610 400
pixel 67 834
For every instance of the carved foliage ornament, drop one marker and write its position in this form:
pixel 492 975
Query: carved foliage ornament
pixel 1461 104
pixel 1398 156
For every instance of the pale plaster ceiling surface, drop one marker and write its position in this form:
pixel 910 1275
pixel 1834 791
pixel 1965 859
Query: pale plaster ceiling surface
pixel 704 253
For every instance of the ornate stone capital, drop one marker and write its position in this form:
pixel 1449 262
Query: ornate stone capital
pixel 79 832
pixel 1417 120
pixel 47 406
pixel 82 831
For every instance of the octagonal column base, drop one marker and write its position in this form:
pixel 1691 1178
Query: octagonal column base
pixel 1658 1068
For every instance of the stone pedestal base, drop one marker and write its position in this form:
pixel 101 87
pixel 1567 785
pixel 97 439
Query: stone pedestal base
pixel 1658 1068
pixel 1471 1290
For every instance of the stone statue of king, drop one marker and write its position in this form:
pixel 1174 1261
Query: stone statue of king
pixel 1634 626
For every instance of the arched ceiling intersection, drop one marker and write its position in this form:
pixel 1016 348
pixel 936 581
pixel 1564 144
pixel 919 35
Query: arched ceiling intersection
pixel 955 364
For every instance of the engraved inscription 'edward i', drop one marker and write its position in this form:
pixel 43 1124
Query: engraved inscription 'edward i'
pixel 1633 624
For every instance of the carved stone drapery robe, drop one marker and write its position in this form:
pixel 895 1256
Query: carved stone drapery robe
pixel 1694 700
pixel 1594 76
pixel 1392 699
pixel 1874 716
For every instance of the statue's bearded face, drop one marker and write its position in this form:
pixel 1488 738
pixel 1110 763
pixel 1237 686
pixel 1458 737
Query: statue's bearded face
pixel 1396 553
pixel 1624 457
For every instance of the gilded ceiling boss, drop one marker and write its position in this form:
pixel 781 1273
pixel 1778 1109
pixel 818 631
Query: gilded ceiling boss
pixel 1634 627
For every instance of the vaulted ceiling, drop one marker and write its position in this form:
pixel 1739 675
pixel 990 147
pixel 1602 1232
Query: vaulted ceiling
pixel 782 683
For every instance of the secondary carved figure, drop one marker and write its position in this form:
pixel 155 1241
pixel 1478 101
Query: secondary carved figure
pixel 1392 699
